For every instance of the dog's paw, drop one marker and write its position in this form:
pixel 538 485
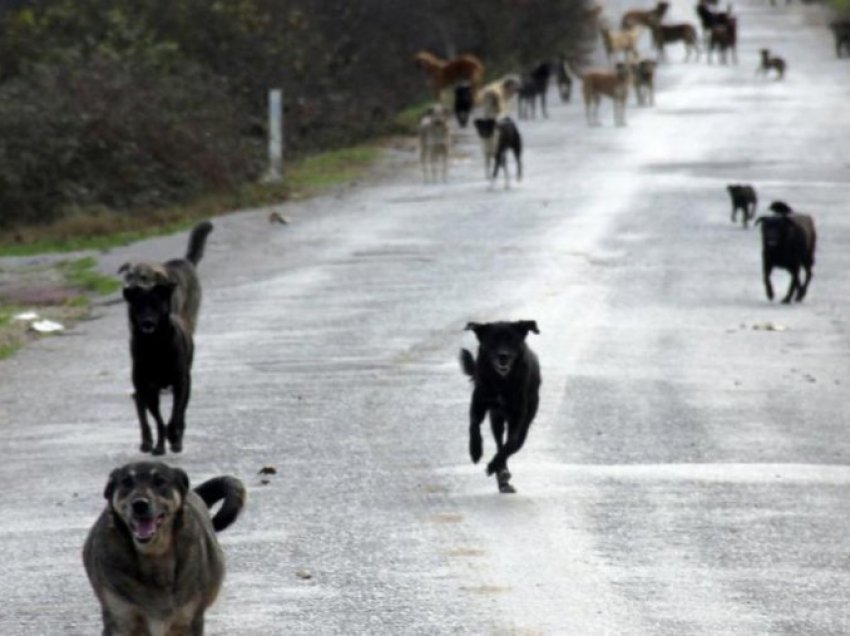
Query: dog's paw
pixel 146 446
pixel 475 449
pixel 506 489
pixel 492 468
pixel 159 450
pixel 176 445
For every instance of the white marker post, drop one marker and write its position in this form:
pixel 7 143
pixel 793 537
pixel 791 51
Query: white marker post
pixel 275 172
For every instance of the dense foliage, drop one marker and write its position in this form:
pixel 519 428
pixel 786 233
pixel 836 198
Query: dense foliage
pixel 132 103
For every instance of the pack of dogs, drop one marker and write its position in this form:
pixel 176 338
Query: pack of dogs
pixel 152 557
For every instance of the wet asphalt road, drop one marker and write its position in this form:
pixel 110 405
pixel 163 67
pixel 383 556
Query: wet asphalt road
pixel 687 472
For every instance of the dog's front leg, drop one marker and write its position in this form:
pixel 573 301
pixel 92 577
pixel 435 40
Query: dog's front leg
pixel 477 411
pixel 149 399
pixel 141 411
pixel 768 287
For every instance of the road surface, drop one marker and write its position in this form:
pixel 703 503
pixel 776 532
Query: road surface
pixel 688 470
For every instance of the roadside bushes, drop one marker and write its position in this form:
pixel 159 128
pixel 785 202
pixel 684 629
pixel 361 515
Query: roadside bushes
pixel 113 134
pixel 143 103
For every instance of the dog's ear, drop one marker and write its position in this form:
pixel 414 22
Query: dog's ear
pixel 181 480
pixel 124 268
pixel 478 328
pixel 110 484
pixel 524 326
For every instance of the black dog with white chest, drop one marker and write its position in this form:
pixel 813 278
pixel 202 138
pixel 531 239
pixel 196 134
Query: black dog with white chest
pixel 506 378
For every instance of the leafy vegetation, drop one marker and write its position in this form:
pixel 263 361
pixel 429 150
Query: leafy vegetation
pixel 112 112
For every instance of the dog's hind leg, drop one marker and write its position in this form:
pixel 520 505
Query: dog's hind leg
pixel 794 285
pixel 801 291
pixel 497 425
pixel 177 424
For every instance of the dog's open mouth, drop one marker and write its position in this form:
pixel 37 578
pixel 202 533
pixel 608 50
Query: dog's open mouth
pixel 502 369
pixel 145 528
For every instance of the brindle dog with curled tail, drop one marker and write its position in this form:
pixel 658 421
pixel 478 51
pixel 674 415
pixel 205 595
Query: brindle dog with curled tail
pixel 152 557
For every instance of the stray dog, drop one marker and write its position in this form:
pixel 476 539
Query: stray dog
pixel 496 96
pixel 506 379
pixel 162 305
pixel 769 62
pixel 663 34
pixel 621 42
pixel 444 73
pixel 743 198
pixel 434 141
pixel 152 557
pixel 464 102
pixel 534 86
pixel 497 137
pixel 563 79
pixel 841 31
pixel 644 18
pixel 598 84
pixel 788 242
pixel 643 74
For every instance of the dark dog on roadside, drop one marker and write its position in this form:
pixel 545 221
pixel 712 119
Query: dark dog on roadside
pixel 743 198
pixel 162 305
pixel 464 102
pixel 534 87
pixel 841 31
pixel 506 379
pixel 788 242
pixel 497 137
pixel 563 79
pixel 643 77
pixel 771 62
pixel 152 557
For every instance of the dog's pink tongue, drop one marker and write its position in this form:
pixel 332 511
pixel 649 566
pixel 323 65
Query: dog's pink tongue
pixel 144 528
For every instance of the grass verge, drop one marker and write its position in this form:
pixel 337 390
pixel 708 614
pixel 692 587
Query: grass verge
pixel 99 229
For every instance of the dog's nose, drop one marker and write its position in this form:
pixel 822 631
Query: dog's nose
pixel 141 507
pixel 148 325
pixel 503 358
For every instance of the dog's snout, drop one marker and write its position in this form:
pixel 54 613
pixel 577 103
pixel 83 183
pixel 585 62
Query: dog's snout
pixel 141 507
pixel 148 325
pixel 503 358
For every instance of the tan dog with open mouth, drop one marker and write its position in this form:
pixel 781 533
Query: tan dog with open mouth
pixel 152 557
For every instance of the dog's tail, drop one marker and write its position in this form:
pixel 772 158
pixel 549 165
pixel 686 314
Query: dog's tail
pixel 197 240
pixel 230 491
pixel 467 363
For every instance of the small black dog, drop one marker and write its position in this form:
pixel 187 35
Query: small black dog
pixel 743 198
pixel 497 137
pixel 464 102
pixel 162 310
pixel 506 375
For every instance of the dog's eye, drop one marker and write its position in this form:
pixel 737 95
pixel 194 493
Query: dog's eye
pixel 159 481
pixel 127 482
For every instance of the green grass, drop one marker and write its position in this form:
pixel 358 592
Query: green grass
pixel 82 275
pixel 331 168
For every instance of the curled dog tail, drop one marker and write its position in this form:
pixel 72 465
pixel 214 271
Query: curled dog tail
pixel 230 491
pixel 467 363
pixel 197 240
